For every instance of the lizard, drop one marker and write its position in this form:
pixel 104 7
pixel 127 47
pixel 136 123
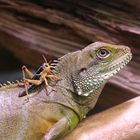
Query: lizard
pixel 50 117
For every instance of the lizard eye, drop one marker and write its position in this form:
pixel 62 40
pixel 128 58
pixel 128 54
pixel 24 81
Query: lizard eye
pixel 103 53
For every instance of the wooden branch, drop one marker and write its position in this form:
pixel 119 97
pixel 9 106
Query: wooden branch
pixel 118 123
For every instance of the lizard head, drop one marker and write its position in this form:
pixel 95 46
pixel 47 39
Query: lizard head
pixel 99 61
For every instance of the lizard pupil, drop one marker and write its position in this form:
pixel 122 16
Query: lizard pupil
pixel 103 53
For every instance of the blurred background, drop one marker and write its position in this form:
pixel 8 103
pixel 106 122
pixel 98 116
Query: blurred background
pixel 30 28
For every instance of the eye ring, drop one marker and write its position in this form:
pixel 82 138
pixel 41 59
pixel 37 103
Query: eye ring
pixel 103 53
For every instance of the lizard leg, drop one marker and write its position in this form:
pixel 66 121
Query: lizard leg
pixel 62 127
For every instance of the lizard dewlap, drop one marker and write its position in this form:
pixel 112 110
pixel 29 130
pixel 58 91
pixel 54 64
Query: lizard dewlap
pixel 81 77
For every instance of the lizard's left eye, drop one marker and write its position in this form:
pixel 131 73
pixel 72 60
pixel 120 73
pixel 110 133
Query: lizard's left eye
pixel 103 53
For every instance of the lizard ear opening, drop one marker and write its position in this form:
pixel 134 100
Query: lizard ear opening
pixel 83 72
pixel 83 69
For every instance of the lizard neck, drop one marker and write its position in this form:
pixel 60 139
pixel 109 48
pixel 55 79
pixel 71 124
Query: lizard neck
pixel 65 69
pixel 80 104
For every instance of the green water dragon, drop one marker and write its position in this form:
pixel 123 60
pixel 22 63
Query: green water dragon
pixel 42 116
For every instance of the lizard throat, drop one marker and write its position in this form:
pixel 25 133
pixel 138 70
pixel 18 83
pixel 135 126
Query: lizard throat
pixel 91 82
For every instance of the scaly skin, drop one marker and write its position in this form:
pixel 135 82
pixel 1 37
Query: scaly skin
pixel 83 75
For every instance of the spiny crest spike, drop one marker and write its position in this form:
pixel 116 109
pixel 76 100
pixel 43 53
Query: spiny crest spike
pixel 9 82
pixel 56 61
pixel 53 64
pixel 17 81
